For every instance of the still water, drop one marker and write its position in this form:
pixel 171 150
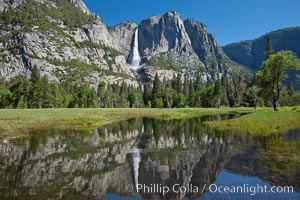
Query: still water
pixel 151 156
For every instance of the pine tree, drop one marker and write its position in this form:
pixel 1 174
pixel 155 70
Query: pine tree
pixel 4 94
pixel 19 87
pixel 124 94
pixel 46 95
pixel 147 95
pixel 224 97
pixel 131 97
pixel 35 90
pixel 198 86
pixel 186 87
pixel 157 93
pixel 192 95
pixel 101 93
pixel 217 93
pixel 178 84
pixel 269 47
pixel 59 98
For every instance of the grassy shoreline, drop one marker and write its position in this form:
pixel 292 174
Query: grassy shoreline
pixel 261 123
pixel 15 123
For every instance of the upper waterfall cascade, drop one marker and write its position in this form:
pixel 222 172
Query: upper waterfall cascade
pixel 136 59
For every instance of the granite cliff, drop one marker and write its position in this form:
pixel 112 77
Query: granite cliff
pixel 76 44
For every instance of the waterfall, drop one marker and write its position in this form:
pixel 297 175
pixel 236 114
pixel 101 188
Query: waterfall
pixel 136 59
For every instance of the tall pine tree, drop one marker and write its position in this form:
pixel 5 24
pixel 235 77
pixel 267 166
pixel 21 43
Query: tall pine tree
pixel 35 99
pixel 157 93
pixel 269 47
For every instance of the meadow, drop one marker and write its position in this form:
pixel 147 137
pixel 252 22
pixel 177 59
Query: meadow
pixel 263 121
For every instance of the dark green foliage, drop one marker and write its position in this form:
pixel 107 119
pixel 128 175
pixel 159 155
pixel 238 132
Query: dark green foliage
pixel 39 92
pixel 20 92
pixel 207 96
pixel 269 47
pixel 131 98
pixel 35 93
pixel 192 95
pixel 179 100
pixel 274 71
pixel 177 84
pixel 217 94
pixel 240 89
pixel 57 94
pixel 4 94
pixel 20 87
pixel 157 93
pixel 147 95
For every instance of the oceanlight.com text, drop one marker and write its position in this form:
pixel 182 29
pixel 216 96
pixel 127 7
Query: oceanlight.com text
pixel 213 188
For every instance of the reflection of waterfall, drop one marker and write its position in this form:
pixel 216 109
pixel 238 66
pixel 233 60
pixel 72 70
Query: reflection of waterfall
pixel 136 157
pixel 135 62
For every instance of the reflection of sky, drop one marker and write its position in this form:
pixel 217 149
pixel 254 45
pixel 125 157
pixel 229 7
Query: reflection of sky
pixel 136 157
pixel 226 178
pixel 113 196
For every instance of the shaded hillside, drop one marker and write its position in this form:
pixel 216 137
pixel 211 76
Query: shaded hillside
pixel 251 53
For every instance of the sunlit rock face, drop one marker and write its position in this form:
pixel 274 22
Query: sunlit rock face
pixel 92 44
pixel 167 44
pixel 123 35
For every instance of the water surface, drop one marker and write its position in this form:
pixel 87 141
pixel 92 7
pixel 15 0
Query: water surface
pixel 109 162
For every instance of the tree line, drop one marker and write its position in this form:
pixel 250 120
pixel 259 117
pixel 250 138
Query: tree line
pixel 39 92
pixel 241 88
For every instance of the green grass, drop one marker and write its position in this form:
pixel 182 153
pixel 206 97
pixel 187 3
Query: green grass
pixel 14 123
pixel 262 123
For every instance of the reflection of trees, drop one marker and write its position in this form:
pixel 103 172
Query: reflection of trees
pixel 274 159
pixel 69 164
pixel 87 164
pixel 188 154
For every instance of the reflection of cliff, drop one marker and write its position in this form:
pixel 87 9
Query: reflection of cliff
pixel 88 165
pixel 275 160
pixel 186 154
pixel 65 164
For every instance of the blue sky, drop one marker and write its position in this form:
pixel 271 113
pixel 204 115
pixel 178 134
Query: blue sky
pixel 228 20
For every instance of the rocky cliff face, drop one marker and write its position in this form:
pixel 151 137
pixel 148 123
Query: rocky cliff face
pixel 162 33
pixel 122 35
pixel 60 49
pixel 88 50
pixel 206 47
pixel 168 42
